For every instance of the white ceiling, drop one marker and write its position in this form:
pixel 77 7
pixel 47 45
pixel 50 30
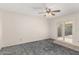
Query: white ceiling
pixel 35 8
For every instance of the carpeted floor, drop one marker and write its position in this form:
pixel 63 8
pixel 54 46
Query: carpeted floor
pixel 42 47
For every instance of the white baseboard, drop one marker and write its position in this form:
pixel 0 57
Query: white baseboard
pixel 25 42
pixel 68 45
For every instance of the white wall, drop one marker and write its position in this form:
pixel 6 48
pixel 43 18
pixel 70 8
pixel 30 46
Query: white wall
pixel 74 18
pixel 1 29
pixel 19 28
pixel 16 28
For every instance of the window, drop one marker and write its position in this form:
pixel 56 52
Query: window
pixel 68 28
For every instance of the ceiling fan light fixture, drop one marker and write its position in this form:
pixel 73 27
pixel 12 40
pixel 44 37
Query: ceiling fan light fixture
pixel 49 14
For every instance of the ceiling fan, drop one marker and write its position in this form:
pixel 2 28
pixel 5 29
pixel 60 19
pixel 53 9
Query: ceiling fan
pixel 50 12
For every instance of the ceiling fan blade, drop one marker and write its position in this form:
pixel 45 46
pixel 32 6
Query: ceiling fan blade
pixel 52 14
pixel 44 15
pixel 56 11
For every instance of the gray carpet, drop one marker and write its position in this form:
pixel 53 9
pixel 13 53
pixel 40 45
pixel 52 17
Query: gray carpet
pixel 42 47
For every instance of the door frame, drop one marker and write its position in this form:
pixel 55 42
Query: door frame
pixel 63 29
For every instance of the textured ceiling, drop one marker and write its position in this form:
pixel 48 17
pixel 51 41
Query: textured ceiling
pixel 35 8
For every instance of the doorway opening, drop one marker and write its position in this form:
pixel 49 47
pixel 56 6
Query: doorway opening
pixel 64 31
